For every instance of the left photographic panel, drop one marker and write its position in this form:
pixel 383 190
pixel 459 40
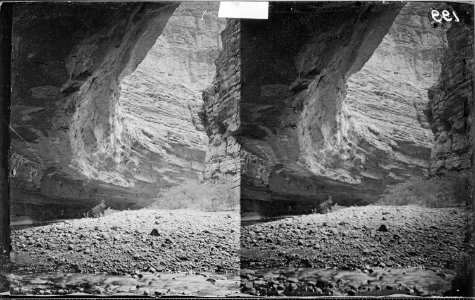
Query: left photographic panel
pixel 117 184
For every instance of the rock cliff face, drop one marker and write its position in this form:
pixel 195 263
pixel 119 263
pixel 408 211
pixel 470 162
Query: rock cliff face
pixel 386 99
pixel 313 126
pixel 220 113
pixel 450 110
pixel 85 126
pixel 160 133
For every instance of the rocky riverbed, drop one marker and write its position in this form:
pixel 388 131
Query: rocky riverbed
pixel 134 245
pixel 376 246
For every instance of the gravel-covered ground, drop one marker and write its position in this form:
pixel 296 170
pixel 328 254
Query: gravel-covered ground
pixel 364 239
pixel 372 250
pixel 131 243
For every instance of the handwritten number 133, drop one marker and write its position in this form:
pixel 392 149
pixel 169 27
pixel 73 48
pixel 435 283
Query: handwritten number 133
pixel 445 15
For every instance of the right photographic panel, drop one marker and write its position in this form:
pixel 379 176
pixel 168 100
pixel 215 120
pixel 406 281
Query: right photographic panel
pixel 357 149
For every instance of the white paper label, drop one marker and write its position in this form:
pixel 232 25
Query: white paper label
pixel 243 10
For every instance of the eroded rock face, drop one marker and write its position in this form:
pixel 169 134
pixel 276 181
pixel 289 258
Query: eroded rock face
pixel 67 63
pixel 386 99
pixel 450 109
pixel 220 113
pixel 312 130
pixel 78 134
pixel 160 135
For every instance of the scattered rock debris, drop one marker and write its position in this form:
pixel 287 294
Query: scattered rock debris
pixel 352 241
pixel 129 243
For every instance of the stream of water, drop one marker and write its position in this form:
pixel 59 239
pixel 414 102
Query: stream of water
pixel 255 219
pixel 203 284
pixel 380 282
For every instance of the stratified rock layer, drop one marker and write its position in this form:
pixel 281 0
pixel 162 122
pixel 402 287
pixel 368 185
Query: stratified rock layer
pixel 160 130
pixel 385 100
pixel 85 126
pixel 450 110
pixel 220 113
pixel 68 61
pixel 311 131
pixel 294 68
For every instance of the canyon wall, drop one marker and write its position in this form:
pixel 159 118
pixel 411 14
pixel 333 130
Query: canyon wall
pixel 386 99
pixel 450 110
pixel 332 104
pixel 67 64
pixel 323 99
pixel 86 125
pixel 160 134
pixel 220 113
